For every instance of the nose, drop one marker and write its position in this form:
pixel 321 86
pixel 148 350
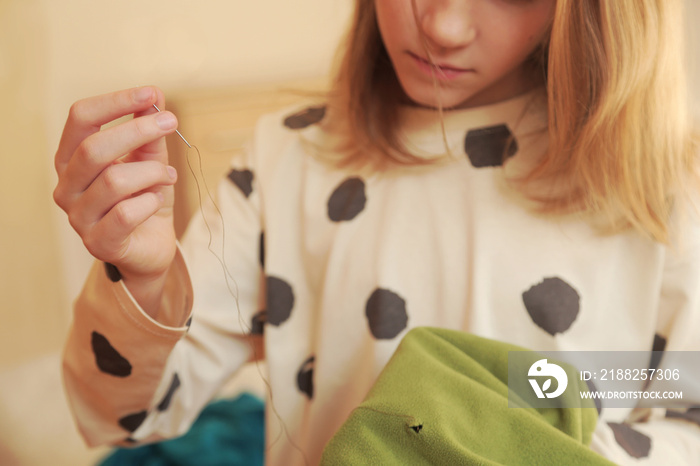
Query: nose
pixel 448 23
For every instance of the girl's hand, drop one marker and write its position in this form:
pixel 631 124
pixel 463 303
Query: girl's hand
pixel 117 188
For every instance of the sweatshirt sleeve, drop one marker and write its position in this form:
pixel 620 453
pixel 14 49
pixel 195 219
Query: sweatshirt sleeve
pixel 669 435
pixel 130 378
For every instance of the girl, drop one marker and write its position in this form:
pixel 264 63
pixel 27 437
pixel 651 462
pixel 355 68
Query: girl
pixel 517 169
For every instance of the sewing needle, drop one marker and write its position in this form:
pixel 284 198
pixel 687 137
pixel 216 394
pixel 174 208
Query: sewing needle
pixel 178 133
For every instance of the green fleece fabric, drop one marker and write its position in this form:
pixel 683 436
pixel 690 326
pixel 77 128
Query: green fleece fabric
pixel 443 399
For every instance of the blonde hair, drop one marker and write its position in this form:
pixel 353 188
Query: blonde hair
pixel 366 96
pixel 619 128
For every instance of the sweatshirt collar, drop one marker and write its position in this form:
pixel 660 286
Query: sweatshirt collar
pixel 523 116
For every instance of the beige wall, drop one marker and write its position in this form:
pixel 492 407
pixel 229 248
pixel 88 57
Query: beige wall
pixel 31 288
pixel 693 46
pixel 55 52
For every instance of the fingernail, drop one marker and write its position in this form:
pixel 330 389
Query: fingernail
pixel 166 120
pixel 172 173
pixel 143 94
pixel 160 196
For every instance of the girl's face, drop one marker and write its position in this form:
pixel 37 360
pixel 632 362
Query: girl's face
pixel 478 47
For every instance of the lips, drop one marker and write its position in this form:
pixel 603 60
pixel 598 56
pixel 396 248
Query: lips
pixel 439 66
pixel 441 71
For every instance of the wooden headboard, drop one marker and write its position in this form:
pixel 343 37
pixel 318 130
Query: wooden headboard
pixel 219 122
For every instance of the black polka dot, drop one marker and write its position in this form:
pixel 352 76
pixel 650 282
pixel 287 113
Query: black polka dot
pixel 552 304
pixel 489 147
pixel 305 377
pixel 257 325
pixel 243 179
pixel 189 322
pixel 262 249
pixel 306 117
pixel 112 272
pixel 659 343
pixel 131 422
pixel 280 300
pixel 691 414
pixel 597 401
pixel 659 346
pixel 107 358
pixel 635 443
pixel 347 200
pixel 174 385
pixel 386 314
pixel 657 354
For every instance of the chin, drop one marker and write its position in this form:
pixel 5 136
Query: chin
pixel 447 100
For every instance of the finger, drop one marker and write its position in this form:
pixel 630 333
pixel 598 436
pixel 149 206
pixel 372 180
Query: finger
pixel 153 150
pixel 87 116
pixel 160 103
pixel 108 240
pixel 102 149
pixel 116 183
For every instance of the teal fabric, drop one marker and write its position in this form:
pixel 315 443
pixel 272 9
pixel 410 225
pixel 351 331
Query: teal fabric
pixel 227 432
pixel 443 399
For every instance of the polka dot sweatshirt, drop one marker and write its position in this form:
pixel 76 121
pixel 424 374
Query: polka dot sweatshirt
pixel 331 268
